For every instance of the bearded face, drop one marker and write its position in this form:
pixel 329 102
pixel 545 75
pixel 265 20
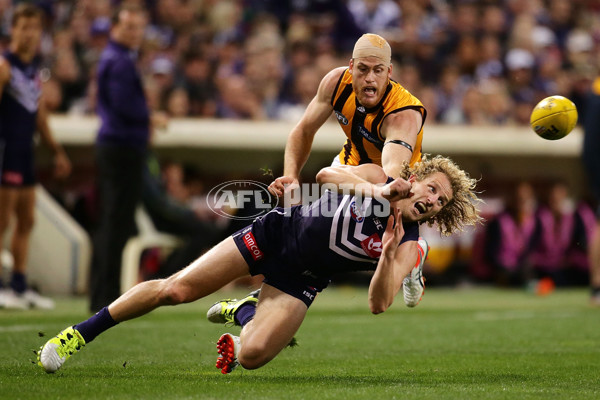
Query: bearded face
pixel 370 77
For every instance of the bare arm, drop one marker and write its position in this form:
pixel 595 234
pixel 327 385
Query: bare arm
pixel 367 179
pixel 4 74
pixel 394 264
pixel 62 165
pixel 404 125
pixel 301 137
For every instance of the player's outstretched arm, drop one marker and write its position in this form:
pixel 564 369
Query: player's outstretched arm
pixel 301 137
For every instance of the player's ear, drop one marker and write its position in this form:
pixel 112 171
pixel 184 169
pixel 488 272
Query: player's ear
pixel 390 71
pixel 412 179
pixel 351 66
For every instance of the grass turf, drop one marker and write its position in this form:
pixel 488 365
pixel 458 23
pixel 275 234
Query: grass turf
pixel 457 344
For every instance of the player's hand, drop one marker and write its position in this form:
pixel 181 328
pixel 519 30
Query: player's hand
pixel 396 190
pixel 393 234
pixel 62 165
pixel 282 185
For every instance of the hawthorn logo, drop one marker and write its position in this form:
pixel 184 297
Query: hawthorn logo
pixel 229 198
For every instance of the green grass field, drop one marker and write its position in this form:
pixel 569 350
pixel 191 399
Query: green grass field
pixel 457 344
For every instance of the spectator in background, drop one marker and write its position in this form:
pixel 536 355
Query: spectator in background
pixel 305 85
pixel 237 101
pixel 177 103
pixel 22 113
pixel 555 229
pixel 584 226
pixel 520 64
pixel 198 81
pixel 377 16
pixel 162 75
pixel 591 162
pixel 509 237
pixel 170 214
pixel 449 95
pixel 120 150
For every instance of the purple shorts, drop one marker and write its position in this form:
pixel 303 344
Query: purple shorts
pixel 262 258
pixel 16 165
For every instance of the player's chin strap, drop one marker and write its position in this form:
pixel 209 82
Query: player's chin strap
pixel 401 143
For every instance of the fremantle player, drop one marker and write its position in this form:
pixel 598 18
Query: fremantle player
pixel 22 113
pixel 299 250
pixel 382 121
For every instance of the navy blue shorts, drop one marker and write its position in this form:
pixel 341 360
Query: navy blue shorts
pixel 16 165
pixel 262 258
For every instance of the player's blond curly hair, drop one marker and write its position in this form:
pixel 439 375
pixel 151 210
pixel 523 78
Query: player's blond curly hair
pixel 461 210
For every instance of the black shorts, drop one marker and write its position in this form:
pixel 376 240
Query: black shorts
pixel 16 165
pixel 263 258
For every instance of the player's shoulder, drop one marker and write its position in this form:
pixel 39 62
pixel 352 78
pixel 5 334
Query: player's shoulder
pixel 331 79
pixel 329 83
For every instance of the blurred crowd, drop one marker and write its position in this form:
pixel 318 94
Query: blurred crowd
pixel 484 62
pixel 470 62
pixel 535 232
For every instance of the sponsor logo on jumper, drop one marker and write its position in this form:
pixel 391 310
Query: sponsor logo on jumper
pixel 12 177
pixel 251 245
pixel 372 246
pixel 233 199
pixel 361 109
pixel 343 120
pixel 355 213
pixel 367 135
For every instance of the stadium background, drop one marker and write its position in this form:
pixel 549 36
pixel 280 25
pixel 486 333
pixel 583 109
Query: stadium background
pixel 459 343
pixel 234 76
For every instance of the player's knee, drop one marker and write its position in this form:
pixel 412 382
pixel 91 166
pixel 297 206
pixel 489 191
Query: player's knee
pixel 252 361
pixel 25 225
pixel 174 292
pixel 254 355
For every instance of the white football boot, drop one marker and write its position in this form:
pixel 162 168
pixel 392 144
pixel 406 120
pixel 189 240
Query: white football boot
pixel 413 286
pixel 228 347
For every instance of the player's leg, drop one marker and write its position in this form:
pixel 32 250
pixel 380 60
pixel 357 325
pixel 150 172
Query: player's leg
pixel 8 200
pixel 267 329
pixel 278 317
pixel 24 212
pixel 220 265
pixel 25 219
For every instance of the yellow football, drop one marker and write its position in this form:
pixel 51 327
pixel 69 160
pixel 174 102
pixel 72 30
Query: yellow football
pixel 554 117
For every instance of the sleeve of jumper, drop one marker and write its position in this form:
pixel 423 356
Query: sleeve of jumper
pixel 125 94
